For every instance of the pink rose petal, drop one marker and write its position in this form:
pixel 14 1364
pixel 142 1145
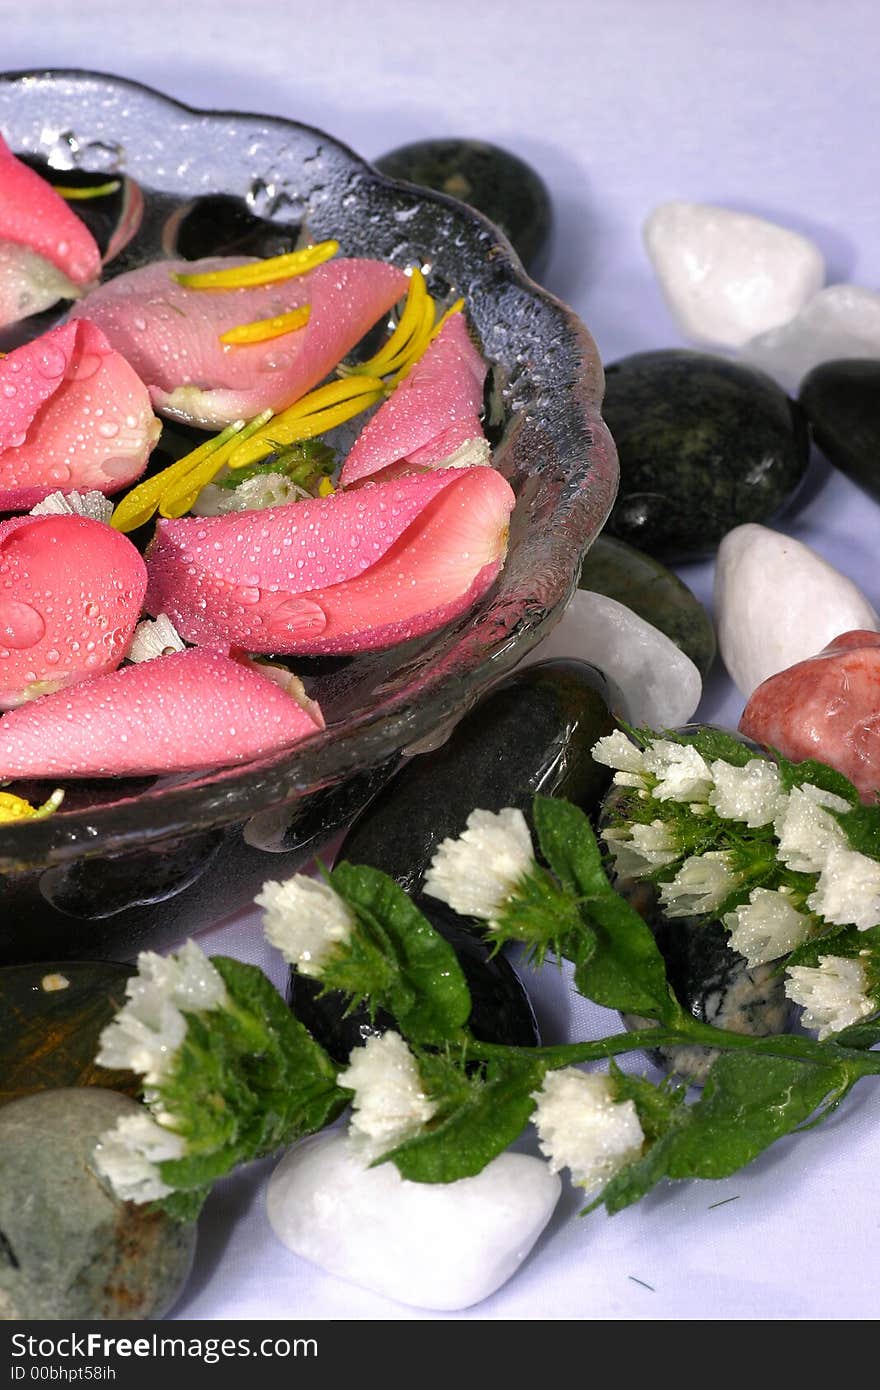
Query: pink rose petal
pixel 46 251
pixel 73 417
pixel 192 710
pixel 71 592
pixel 171 335
pixel 357 570
pixel 433 411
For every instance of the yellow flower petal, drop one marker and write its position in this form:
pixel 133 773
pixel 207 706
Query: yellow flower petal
pixel 266 272
pixel 311 415
pixel 80 195
pixel 139 505
pixel 385 359
pixel 261 330
pixel 15 808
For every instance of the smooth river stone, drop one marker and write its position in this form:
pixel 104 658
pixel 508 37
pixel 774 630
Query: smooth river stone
pixel 842 402
pixel 825 708
pixel 727 275
pixel 704 445
pixel 495 182
pixel 69 1249
pixel 840 321
pixel 532 733
pixel 431 1245
pixel 661 685
pixel 777 602
pixel 500 1013
pixel 641 583
pixel 49 1029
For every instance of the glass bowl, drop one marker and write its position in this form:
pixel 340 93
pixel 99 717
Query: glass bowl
pixel 125 864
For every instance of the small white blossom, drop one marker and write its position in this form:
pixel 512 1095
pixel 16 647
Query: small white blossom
pixel 848 891
pixel 146 1033
pixel 805 830
pixel 766 927
pixel 834 995
pixel 637 849
pixel 93 505
pixel 701 885
pixel 307 921
pixel 581 1126
pixel 478 872
pixel 473 453
pixel 262 490
pixel 154 638
pixel 127 1156
pixel 389 1103
pixel 752 793
pixel 683 773
pixel 623 755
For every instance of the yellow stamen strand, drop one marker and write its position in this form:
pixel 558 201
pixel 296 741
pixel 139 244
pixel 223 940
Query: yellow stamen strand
pixel 314 413
pixel 181 494
pixel 385 360
pixel 15 808
pixel 139 505
pixel 269 271
pixel 421 338
pixel 81 195
pixel 325 488
pixel 261 330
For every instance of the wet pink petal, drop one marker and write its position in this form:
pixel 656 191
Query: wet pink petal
pixel 73 417
pixel 192 710
pixel 71 592
pixel 433 411
pixel 357 570
pixel 827 708
pixel 46 251
pixel 171 335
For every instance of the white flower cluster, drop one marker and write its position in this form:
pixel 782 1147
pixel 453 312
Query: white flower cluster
pixel 477 873
pixel 144 1037
pixel 93 505
pixel 155 637
pixel 834 994
pixel 262 490
pixel 307 921
pixel 390 1104
pixel 149 1028
pixel 809 840
pixel 582 1127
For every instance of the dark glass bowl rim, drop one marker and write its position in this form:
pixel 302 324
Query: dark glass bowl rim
pixel 234 794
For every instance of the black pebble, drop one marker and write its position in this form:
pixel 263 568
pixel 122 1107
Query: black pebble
pixel 842 402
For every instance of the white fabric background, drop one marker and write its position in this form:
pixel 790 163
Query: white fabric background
pixel 620 104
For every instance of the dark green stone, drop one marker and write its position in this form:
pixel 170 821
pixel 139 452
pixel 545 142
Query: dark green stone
pixel 704 445
pixel 49 1036
pixel 533 733
pixel 650 589
pixel 842 402
pixel 69 1249
pixel 495 182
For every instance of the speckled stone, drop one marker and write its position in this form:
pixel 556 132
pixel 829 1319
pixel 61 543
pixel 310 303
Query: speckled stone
pixel 495 182
pixel 704 445
pixel 650 589
pixel 51 1015
pixel 68 1248
pixel 712 982
pixel 842 402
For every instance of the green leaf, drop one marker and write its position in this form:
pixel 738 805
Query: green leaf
pixel 656 1105
pixel 864 1034
pixel 624 970
pixel 425 988
pixel 796 774
pixel 748 1103
pixel 862 826
pixel 482 1125
pixel 710 743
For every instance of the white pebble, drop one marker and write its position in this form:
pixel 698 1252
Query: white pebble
pixel 661 685
pixel 812 603
pixel 841 321
pixel 431 1245
pixel 728 276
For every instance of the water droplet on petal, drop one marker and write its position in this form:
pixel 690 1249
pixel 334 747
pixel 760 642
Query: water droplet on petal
pixel 21 625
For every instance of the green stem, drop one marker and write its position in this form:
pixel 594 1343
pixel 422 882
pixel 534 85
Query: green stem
pixel 694 1033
